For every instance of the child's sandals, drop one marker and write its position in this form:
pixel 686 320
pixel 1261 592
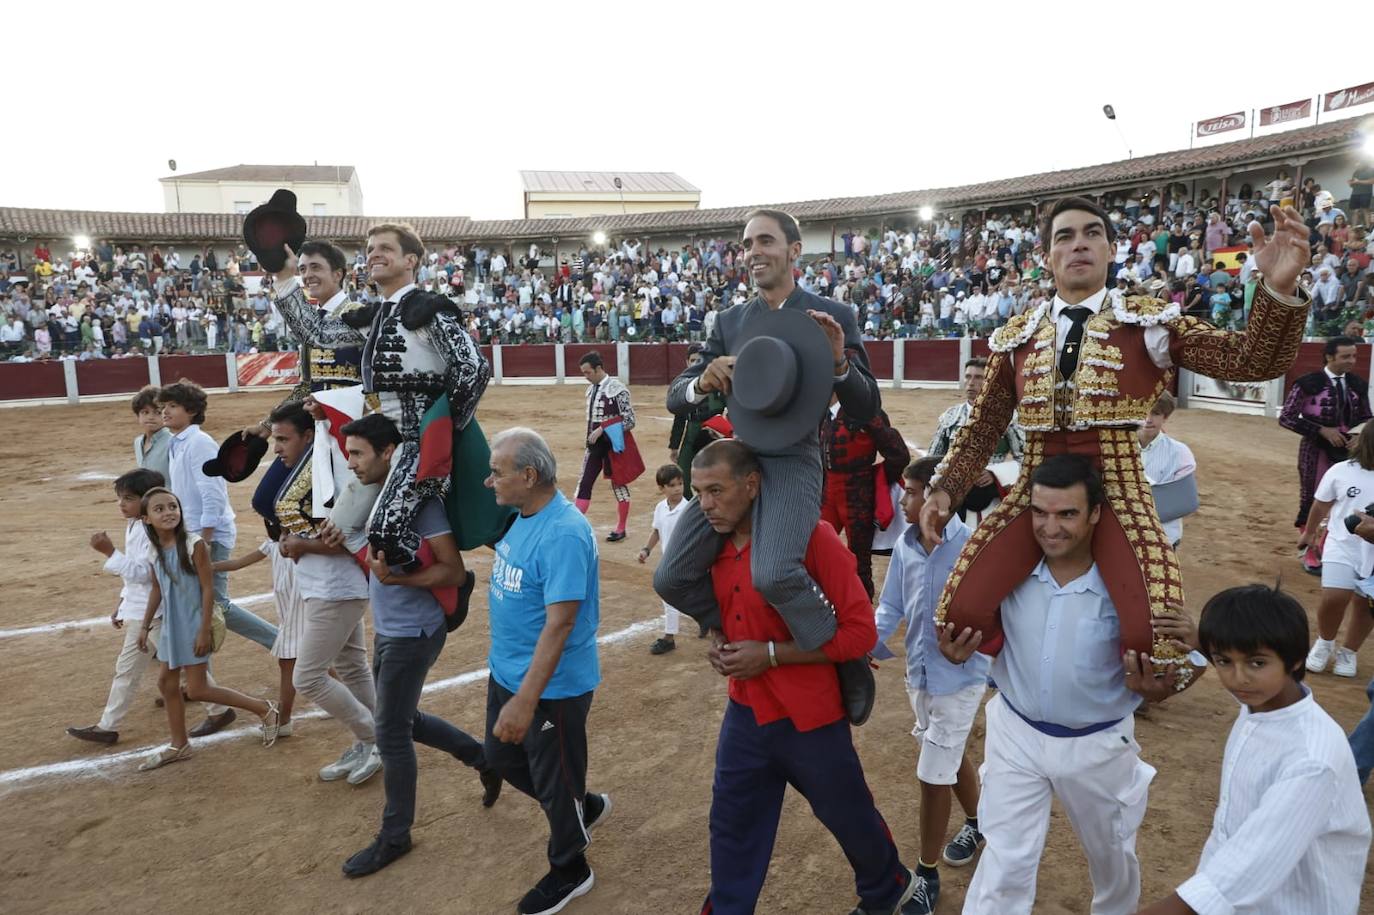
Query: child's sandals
pixel 166 755
pixel 270 723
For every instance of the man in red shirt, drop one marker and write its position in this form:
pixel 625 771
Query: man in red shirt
pixel 785 722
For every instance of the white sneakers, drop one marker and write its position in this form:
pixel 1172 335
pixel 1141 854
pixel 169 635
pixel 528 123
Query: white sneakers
pixel 345 764
pixel 1320 656
pixel 368 766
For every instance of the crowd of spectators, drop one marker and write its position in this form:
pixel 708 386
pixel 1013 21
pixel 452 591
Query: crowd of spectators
pixel 944 277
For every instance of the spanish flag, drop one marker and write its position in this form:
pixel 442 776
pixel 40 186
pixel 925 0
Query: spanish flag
pixel 1227 258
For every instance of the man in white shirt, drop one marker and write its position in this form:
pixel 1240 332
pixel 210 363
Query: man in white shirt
pixel 1166 459
pixel 1060 675
pixel 1186 266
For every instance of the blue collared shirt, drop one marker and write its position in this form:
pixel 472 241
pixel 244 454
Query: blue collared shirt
pixel 204 499
pixel 911 591
pixel 1061 661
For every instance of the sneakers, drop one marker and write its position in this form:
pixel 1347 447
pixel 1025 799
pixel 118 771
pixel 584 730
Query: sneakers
pixel 375 857
pixel 663 645
pixel 558 888
pixel 1320 655
pixel 368 766
pixel 924 895
pixel 165 756
pixel 964 847
pixel 213 723
pixel 345 764
pixel 900 906
pixel 596 809
pixel 1345 663
pixel 95 734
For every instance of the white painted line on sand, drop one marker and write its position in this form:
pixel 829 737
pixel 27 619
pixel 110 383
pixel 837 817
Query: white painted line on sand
pixel 12 779
pixel 98 620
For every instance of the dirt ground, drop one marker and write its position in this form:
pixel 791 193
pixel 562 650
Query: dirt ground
pixel 240 828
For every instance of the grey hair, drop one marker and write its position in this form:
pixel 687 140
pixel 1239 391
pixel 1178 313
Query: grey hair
pixel 530 451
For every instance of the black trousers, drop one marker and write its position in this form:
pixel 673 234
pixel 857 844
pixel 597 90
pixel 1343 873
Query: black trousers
pixel 549 765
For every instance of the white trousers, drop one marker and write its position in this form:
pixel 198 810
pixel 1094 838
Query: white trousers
pixel 333 635
pixel 670 619
pixel 1103 786
pixel 129 669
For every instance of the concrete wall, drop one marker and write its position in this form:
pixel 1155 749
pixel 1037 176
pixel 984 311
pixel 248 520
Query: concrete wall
pixel 544 204
pixel 344 199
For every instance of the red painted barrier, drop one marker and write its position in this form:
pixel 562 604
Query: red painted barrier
pixel 528 360
pixel 880 357
pixel 649 363
pixel 25 380
pixel 1312 357
pixel 206 371
pixel 111 376
pixel 573 352
pixel 931 360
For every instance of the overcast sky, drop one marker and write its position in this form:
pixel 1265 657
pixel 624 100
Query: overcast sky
pixel 439 107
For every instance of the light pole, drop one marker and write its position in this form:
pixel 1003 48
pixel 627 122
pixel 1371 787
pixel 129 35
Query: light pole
pixel 1110 112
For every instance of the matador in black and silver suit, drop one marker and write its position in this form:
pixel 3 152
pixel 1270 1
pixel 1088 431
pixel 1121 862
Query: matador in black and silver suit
pixel 415 350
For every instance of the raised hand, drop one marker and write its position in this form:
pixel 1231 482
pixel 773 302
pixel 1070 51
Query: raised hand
pixel 1282 257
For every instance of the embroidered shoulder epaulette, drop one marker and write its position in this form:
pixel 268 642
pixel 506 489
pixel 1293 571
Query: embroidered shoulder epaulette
pixel 1017 330
pixel 1146 311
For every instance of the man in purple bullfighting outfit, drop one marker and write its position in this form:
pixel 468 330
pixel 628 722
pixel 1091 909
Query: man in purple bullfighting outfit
pixel 1323 407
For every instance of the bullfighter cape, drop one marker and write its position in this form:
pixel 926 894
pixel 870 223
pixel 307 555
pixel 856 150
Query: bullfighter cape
pixel 1095 413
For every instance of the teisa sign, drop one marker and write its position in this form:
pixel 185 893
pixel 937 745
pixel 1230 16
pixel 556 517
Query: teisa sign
pixel 1222 124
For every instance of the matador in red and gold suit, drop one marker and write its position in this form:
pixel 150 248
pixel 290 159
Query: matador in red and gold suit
pixel 1126 353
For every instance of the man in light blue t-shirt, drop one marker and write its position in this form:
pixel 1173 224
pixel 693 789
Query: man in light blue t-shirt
pixel 545 607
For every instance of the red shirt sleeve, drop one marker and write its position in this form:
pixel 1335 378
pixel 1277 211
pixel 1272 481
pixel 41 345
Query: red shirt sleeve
pixel 833 567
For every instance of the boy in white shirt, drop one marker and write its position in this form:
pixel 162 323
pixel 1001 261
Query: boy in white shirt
pixel 666 515
pixel 1291 832
pixel 135 566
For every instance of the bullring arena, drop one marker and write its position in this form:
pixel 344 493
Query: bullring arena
pixel 240 828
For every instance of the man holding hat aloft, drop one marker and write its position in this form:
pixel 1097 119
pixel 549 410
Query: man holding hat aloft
pixel 776 400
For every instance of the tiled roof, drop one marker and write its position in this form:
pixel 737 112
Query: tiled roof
pixel 272 174
pixel 188 227
pixel 604 182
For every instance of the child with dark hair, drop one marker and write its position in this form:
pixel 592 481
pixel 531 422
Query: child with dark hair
pixel 671 485
pixel 204 501
pixel 151 448
pixel 944 696
pixel 1291 832
pixel 134 566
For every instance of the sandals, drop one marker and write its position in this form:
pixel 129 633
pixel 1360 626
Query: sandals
pixel 166 755
pixel 271 723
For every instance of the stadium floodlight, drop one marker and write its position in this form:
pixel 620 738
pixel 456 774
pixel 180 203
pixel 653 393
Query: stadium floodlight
pixel 599 237
pixel 927 213
pixel 82 242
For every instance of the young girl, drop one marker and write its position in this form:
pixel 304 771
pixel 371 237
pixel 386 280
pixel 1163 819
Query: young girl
pixel 289 612
pixel 182 587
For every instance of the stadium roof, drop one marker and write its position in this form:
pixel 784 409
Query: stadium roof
pixel 604 183
pixel 273 174
pixel 1277 148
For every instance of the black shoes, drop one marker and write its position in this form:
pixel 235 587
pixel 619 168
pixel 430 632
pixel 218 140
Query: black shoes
pixel 375 857
pixel 94 734
pixel 213 723
pixel 460 615
pixel 491 786
pixel 559 887
pixel 596 809
pixel 663 645
pixel 615 536
pixel 857 689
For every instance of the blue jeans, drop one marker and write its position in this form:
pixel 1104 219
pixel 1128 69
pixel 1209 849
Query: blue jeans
pixel 237 619
pixel 754 766
pixel 399 667
pixel 1362 738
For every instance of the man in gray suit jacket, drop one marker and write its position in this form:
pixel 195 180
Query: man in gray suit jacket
pixel 789 503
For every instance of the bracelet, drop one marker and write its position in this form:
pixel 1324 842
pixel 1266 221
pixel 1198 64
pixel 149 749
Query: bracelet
pixel 772 654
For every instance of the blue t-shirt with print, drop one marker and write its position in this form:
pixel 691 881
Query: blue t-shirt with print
pixel 546 558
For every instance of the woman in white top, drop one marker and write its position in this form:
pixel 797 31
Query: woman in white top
pixel 1344 489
